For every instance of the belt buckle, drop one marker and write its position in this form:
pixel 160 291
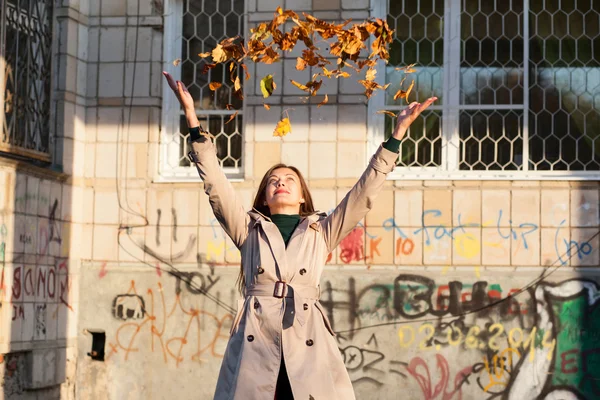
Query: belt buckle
pixel 279 290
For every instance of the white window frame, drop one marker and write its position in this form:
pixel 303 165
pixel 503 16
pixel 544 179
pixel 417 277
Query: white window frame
pixel 171 112
pixel 450 140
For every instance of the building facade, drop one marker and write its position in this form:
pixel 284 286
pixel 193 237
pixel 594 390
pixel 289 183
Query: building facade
pixel 474 276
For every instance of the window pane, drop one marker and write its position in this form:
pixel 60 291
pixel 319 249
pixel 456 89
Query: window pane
pixel 564 85
pixel 205 24
pixel 491 67
pixel 27 72
pixel 422 146
pixel 491 140
pixel 418 39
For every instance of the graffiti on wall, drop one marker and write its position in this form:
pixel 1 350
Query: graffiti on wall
pixel 171 323
pixel 479 339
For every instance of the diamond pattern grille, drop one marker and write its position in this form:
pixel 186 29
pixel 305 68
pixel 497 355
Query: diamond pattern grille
pixel 25 116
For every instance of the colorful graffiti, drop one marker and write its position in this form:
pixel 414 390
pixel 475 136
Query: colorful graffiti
pixel 541 343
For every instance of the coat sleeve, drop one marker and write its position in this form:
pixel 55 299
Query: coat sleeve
pixel 225 203
pixel 360 199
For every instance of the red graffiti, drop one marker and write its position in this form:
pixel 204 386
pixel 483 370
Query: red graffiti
pixel 440 390
pixel 103 271
pixel 404 246
pixel 16 286
pixel 158 270
pixel 352 248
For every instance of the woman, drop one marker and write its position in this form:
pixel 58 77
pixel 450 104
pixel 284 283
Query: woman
pixel 282 345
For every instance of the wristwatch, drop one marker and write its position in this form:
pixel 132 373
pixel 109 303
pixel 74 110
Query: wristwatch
pixel 196 133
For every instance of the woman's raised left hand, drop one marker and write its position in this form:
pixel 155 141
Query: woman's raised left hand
pixel 408 115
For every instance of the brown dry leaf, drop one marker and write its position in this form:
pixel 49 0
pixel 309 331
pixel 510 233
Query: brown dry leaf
pixel 300 86
pixel 408 69
pixel 207 67
pixel 232 117
pixel 229 106
pixel 283 128
pixel 386 112
pixel 371 72
pixel 177 62
pixel 300 64
pixel 408 90
pixel 325 101
pixel 215 85
pixel 245 71
pixel 218 54
pixel 265 105
pixel 204 55
pixel 343 74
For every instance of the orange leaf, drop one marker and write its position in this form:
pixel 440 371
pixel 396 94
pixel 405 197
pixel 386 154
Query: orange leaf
pixel 237 85
pixel 265 105
pixel 409 89
pixel 283 128
pixel 204 55
pixel 386 112
pixel 229 106
pixel 300 86
pixel 246 71
pixel 300 64
pixel 325 101
pixel 215 85
pixel 232 117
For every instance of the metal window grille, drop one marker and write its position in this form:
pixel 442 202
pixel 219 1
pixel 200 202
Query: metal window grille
pixel 25 86
pixel 518 83
pixel 197 26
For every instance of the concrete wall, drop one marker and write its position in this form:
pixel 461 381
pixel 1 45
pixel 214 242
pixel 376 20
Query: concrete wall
pixel 144 266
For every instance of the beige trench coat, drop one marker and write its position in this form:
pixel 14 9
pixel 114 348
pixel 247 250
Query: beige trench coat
pixel 253 355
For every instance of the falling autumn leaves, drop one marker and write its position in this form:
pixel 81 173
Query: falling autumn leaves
pixel 346 45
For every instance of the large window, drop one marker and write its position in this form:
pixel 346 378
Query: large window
pixel 518 85
pixel 25 65
pixel 194 27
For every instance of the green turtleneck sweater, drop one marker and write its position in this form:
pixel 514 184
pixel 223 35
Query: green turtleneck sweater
pixel 287 224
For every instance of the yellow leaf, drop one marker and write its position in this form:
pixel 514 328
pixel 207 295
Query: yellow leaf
pixel 325 101
pixel 386 112
pixel 300 86
pixel 343 74
pixel 283 128
pixel 371 74
pixel 268 107
pixel 267 86
pixel 218 54
pixel 215 85
pixel 232 117
pixel 237 85
pixel 177 62
pixel 204 55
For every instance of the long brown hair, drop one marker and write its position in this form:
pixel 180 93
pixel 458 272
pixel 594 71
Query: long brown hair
pixel 306 208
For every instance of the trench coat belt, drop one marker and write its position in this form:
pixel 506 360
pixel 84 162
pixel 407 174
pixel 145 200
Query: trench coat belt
pixel 298 291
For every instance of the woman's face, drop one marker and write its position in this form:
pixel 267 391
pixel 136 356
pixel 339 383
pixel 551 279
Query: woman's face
pixel 284 192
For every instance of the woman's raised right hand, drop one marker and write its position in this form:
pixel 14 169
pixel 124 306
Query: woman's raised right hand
pixel 185 99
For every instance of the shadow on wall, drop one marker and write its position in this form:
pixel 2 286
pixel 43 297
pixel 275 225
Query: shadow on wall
pixel 36 283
